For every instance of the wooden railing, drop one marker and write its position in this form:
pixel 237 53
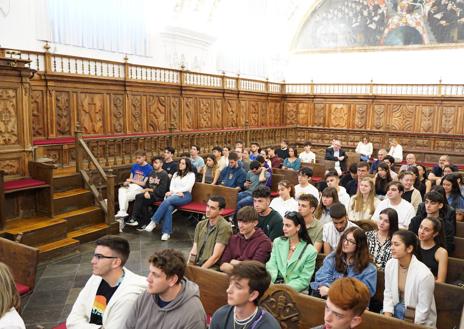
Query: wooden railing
pixel 94 176
pixel 48 63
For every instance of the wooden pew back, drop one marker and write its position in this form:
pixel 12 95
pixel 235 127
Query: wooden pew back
pixel 460 229
pixel 455 269
pixel 21 259
pixel 459 248
pixel 290 175
pixel 201 193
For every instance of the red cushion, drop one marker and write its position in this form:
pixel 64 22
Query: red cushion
pixel 54 141
pixel 22 289
pixel 274 194
pixel 156 203
pixel 22 183
pixel 61 326
pixel 227 212
pixel 316 179
pixel 194 207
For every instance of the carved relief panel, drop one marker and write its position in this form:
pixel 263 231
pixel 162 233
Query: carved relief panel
pixel 117 113
pixel 10 166
pixel 231 113
pixel 402 117
pixel 254 113
pixel 135 113
pixel 426 118
pixel 8 117
pixel 175 114
pixel 217 114
pixel 242 114
pixel 63 113
pixel 319 114
pixel 379 116
pixel 360 119
pixel 91 113
pixel 339 115
pixel 282 307
pixel 37 110
pixel 263 114
pixel 303 114
pixel 448 119
pixel 205 113
pixel 189 108
pixel 157 110
pixel 291 118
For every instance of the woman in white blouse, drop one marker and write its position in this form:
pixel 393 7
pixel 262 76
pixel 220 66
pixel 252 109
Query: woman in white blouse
pixel 286 201
pixel 179 194
pixel 9 301
pixel 409 284
pixel 364 148
pixel 396 150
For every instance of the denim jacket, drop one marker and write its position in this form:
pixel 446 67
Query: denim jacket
pixel 327 274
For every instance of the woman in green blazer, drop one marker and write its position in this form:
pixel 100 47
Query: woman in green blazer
pixel 293 256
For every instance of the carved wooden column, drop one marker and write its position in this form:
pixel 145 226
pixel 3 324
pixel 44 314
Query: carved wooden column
pixel 15 116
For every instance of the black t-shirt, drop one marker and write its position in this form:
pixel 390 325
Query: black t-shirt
pixel 170 167
pixel 102 298
pixel 161 303
pixel 407 195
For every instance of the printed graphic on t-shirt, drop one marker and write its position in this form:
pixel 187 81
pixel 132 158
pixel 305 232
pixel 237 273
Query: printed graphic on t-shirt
pixel 99 306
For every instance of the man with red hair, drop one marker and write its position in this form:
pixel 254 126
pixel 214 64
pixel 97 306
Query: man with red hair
pixel 347 300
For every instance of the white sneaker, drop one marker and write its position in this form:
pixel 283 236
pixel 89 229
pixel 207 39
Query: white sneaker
pixel 121 224
pixel 121 214
pixel 150 227
pixel 165 237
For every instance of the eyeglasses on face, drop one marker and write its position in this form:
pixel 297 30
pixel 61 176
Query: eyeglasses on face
pixel 349 241
pixel 100 256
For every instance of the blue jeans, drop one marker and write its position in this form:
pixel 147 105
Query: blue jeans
pixel 165 209
pixel 399 311
pixel 244 198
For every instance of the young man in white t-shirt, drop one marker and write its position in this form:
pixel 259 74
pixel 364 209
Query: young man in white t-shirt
pixel 304 186
pixel 394 200
pixel 307 155
pixel 332 180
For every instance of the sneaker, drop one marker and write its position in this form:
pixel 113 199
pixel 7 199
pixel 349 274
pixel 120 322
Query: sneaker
pixel 150 227
pixel 165 237
pixel 121 214
pixel 132 222
pixel 174 211
pixel 141 229
pixel 121 224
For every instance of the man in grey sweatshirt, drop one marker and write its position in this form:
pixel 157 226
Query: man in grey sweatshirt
pixel 170 301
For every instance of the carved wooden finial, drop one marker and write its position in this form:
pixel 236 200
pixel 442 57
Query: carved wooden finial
pixel 46 46
pixel 126 59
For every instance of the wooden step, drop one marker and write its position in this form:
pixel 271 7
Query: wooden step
pixel 73 199
pixel 67 182
pixel 58 248
pixel 63 171
pixel 38 230
pixel 93 232
pixel 83 217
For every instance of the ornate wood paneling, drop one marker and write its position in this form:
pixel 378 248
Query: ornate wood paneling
pixel 135 118
pixel 253 116
pixel 339 114
pixel 157 110
pixel 63 113
pixel 189 114
pixel 319 114
pixel 91 113
pixel 402 117
pixel 231 113
pixel 11 166
pixel 8 117
pixel 117 113
pixel 38 115
pixel 205 113
pixel 360 120
pixel 291 115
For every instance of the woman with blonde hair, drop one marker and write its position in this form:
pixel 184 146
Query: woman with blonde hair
pixel 9 301
pixel 363 203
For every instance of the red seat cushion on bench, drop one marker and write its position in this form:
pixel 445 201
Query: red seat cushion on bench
pixel 54 141
pixel 22 183
pixel 316 179
pixel 22 289
pixel 61 326
pixel 274 194
pixel 194 207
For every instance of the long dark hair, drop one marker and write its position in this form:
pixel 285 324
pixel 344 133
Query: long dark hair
pixel 453 179
pixel 297 219
pixel 392 219
pixel 381 183
pixel 188 167
pixel 361 257
pixel 328 192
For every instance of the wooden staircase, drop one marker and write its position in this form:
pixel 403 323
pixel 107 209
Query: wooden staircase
pixel 77 219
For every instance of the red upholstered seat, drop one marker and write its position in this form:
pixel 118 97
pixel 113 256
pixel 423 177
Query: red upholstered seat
pixel 316 179
pixel 22 184
pixel 61 326
pixel 274 194
pixel 227 212
pixel 194 207
pixel 54 141
pixel 22 289
pixel 156 203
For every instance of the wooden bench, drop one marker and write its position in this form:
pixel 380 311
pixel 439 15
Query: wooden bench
pixel 455 269
pixel 276 178
pixel 458 248
pixel 290 175
pixel 460 229
pixel 201 193
pixel 23 261
pixel 290 308
pixel 39 186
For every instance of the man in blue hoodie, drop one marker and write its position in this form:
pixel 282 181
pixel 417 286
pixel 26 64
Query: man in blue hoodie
pixel 233 175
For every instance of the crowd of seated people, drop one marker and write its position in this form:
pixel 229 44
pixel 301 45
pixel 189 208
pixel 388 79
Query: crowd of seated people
pixel 410 243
